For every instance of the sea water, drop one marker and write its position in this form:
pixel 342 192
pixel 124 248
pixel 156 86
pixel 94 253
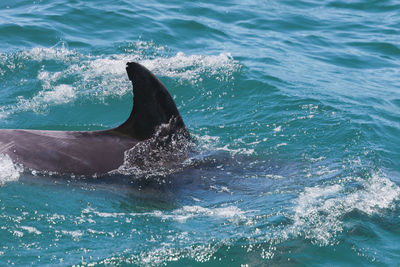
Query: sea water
pixel 294 107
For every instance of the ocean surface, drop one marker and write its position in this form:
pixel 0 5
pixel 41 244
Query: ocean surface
pixel 294 107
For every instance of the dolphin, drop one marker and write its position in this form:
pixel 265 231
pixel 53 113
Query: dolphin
pixel 94 153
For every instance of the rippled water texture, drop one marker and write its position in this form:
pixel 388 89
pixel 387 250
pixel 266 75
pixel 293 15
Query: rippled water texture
pixel 294 106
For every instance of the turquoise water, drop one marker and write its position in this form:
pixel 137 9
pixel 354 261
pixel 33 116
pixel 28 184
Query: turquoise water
pixel 294 105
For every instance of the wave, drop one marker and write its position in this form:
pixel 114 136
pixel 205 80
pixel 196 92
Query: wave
pixel 319 211
pixel 65 75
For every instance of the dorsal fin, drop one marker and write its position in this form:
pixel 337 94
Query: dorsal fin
pixel 152 105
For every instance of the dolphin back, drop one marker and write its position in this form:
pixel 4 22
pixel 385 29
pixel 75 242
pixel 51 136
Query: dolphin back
pixel 152 105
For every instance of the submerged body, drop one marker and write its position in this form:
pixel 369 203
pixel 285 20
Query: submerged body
pixel 96 152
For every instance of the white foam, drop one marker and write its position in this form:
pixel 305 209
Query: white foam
pixel 212 143
pixel 236 151
pixel 281 144
pixel 164 254
pixel 31 230
pixel 108 214
pixel 273 176
pixel 207 143
pixel 188 212
pixel 56 217
pixel 189 67
pixel 98 77
pixel 230 213
pixel 91 231
pixel 319 210
pixel 9 172
pixel 53 53
pixel 60 94
pixel 74 234
pixel 47 78
pixel 18 233
pixel 89 210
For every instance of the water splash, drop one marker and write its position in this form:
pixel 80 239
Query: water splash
pixel 9 172
pixel 319 210
pixel 66 75
pixel 160 155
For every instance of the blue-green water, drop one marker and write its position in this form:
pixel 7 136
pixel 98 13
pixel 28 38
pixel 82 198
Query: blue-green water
pixel 295 106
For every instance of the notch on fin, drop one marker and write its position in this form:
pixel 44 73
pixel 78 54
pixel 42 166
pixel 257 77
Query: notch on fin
pixel 152 105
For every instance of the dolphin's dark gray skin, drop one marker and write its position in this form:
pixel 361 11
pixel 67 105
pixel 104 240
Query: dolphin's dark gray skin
pixel 97 152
